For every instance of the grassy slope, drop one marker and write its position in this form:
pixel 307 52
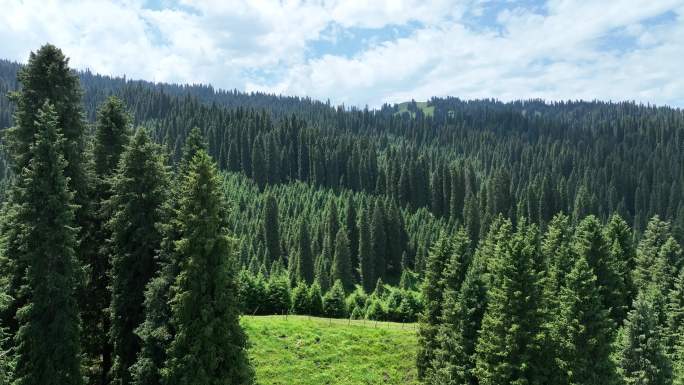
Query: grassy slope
pixel 315 351
pixel 427 110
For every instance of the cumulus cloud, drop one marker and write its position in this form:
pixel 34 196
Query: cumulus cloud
pixel 559 49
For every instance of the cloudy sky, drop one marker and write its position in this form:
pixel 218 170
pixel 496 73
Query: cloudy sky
pixel 370 52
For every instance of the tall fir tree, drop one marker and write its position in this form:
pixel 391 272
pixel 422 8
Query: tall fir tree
pixel 111 136
pixel 341 268
pixel 305 264
pixel 640 351
pixel 432 292
pixel 139 191
pixel 508 350
pixel 209 345
pixel 45 78
pixel 271 228
pixel 366 260
pixel 583 332
pixel 47 342
pixel 454 358
pixel 379 240
pixel 156 331
pixel 353 231
pixel 590 243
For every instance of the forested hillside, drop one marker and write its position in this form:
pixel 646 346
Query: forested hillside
pixel 514 232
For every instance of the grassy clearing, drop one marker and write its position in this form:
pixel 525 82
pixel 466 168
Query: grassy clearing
pixel 316 351
pixel 427 110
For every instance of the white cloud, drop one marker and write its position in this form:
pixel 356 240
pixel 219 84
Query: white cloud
pixel 267 45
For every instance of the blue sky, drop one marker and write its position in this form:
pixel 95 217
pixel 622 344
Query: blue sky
pixel 371 52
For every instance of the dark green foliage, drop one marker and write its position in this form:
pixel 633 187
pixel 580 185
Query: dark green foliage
pixel 675 319
pixel 6 356
pixel 341 268
pixel 47 342
pixel 278 295
pixel 271 230
pixel 379 240
pixel 209 344
pixel 508 350
pixel 315 300
pixel 300 299
pixel 366 260
pixel 305 268
pixel 640 351
pixel 375 310
pixel 583 331
pixel 252 293
pixel 432 292
pixel 590 243
pixel 334 304
pixel 139 191
pixel 458 332
pixel 111 136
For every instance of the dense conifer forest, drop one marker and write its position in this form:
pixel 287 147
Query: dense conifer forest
pixel 534 242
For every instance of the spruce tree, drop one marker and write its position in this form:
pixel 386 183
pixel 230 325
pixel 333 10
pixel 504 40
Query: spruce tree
pixel 45 78
pixel 47 341
pixel 209 344
pixel 6 357
pixel 590 243
pixel 334 305
pixel 305 268
pixel 139 190
pixel 641 356
pixel 156 332
pixel 111 137
pixel 432 292
pixel 271 229
pixel 582 330
pixel 379 240
pixel 508 350
pixel 675 319
pixel 353 232
pixel 366 260
pixel 341 268
pixel 458 332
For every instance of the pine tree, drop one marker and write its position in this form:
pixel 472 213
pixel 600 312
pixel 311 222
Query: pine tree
pixel 583 330
pixel 209 344
pixel 6 358
pixel 379 240
pixel 366 260
pixel 589 243
pixel 156 332
pixel 640 352
pixel 315 299
pixel 111 137
pixel 460 323
pixel 45 78
pixel 334 305
pixel 305 268
pixel 507 351
pixel 619 235
pixel 353 232
pixel 47 341
pixel 138 195
pixel 271 229
pixel 432 291
pixel 300 299
pixel 675 319
pixel 341 268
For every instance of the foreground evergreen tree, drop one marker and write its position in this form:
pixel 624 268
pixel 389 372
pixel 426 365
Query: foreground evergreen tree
pixel 45 78
pixel 508 350
pixel 6 358
pixel 47 341
pixel 583 331
pixel 139 190
pixel 209 344
pixel 640 352
pixel 334 305
pixel 111 137
pixel 433 291
pixel 458 332
pixel 156 332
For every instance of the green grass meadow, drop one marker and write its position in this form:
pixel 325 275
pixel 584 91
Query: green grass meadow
pixel 317 351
